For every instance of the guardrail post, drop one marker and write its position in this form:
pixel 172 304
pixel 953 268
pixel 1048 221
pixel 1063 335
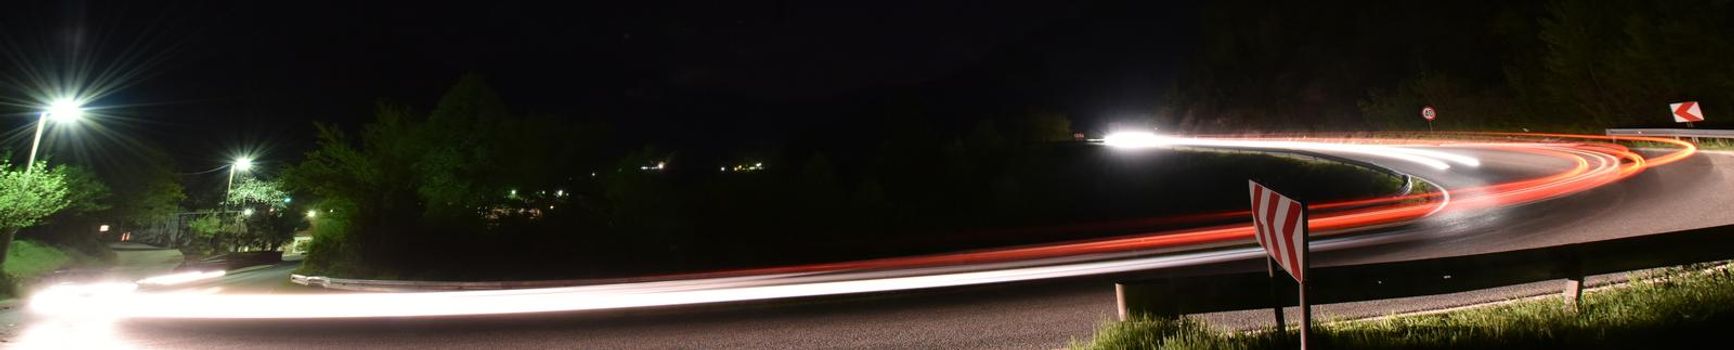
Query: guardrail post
pixel 1574 278
pixel 1120 299
pixel 1573 293
pixel 1275 294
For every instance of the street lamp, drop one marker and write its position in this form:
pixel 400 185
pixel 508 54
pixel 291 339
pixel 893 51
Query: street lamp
pixel 241 164
pixel 65 111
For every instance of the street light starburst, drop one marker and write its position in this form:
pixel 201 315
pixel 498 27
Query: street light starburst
pixel 65 110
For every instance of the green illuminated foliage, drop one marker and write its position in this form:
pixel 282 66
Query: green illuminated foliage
pixel 27 196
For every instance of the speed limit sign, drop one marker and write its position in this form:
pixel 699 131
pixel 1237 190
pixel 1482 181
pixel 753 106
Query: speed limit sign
pixel 1429 113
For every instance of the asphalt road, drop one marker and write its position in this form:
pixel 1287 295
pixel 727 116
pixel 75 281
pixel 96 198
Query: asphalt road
pixel 1027 315
pixel 265 280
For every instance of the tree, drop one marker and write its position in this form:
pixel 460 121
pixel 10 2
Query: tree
pixel 457 150
pixel 1044 127
pixel 1619 62
pixel 26 197
pixel 644 201
pixel 211 232
pixel 1285 66
pixel 251 192
pixel 75 227
pixel 85 192
pixel 264 221
pixel 149 193
pixel 407 180
pixel 1464 104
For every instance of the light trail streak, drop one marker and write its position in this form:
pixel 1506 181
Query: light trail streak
pixel 182 278
pixel 1590 165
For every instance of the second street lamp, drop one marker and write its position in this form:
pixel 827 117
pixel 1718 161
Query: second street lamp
pixel 240 165
pixel 64 111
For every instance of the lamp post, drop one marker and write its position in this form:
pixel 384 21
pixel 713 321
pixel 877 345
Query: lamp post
pixel 60 111
pixel 241 164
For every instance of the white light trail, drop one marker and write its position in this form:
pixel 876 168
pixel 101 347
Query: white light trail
pixel 196 305
pixel 1135 139
pixel 1431 158
pixel 184 277
pixel 122 301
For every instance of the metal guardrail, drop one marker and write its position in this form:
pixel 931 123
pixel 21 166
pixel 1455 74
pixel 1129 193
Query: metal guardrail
pixel 368 285
pixel 1175 296
pixel 1658 132
pixel 1408 180
pixel 416 286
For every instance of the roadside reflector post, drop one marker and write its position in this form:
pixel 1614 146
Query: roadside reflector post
pixel 1573 294
pixel 1276 302
pixel 1120 299
pixel 1574 280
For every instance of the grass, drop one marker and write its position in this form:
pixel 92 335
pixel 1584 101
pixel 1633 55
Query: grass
pixel 1703 144
pixel 26 260
pixel 1675 309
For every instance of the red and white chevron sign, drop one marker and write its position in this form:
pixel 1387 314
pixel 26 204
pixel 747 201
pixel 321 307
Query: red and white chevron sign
pixel 1281 225
pixel 1686 112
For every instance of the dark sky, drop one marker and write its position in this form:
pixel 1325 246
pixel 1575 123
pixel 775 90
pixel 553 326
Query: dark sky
pixel 213 78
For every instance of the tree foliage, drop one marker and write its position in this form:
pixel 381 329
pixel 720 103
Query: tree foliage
pixel 1542 64
pixel 27 196
pixel 148 192
pixel 257 194
pixel 86 194
pixel 470 191
pixel 410 180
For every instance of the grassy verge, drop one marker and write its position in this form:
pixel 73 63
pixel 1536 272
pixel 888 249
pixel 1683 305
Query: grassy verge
pixel 26 260
pixel 1704 144
pixel 1676 309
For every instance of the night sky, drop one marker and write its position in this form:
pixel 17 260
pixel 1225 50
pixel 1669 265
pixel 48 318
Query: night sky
pixel 215 78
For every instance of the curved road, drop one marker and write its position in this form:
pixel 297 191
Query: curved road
pixel 1040 314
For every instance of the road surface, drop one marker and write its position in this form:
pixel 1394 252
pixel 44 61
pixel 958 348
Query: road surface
pixel 1041 314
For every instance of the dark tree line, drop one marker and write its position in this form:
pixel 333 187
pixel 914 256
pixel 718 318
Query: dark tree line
pixel 135 199
pixel 472 190
pixel 1550 65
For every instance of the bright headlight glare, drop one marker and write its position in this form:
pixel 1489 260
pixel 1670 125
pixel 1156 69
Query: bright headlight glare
pixel 1135 139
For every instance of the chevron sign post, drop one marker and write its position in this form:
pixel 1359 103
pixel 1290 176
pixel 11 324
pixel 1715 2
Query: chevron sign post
pixel 1281 226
